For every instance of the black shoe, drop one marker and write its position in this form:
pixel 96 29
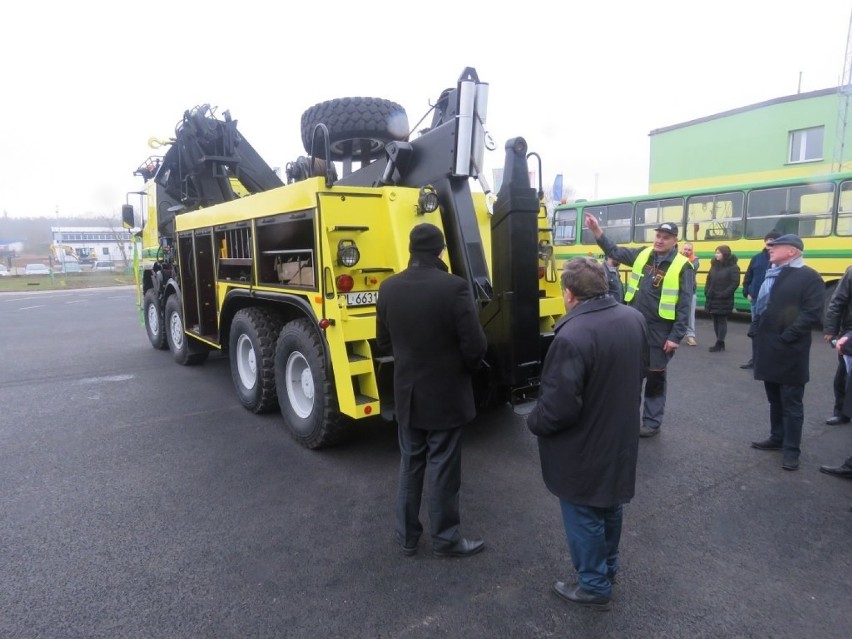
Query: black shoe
pixel 748 365
pixel 462 548
pixel 717 347
pixel 575 594
pixel 790 463
pixel 647 431
pixel 836 419
pixel 767 444
pixel 837 471
pixel 408 548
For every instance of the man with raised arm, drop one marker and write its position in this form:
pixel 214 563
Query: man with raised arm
pixel 660 287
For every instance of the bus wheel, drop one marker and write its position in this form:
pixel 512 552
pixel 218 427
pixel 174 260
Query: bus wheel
pixel 184 352
pixel 154 320
pixel 252 354
pixel 305 387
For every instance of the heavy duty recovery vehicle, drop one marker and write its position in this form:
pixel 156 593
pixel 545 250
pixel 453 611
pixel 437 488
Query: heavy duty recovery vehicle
pixel 284 277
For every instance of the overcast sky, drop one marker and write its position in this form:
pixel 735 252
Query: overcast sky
pixel 86 83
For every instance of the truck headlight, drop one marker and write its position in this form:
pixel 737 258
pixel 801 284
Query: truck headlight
pixel 347 253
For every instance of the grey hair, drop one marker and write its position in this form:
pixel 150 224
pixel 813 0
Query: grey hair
pixel 585 278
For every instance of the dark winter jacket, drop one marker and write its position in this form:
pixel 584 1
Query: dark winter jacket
pixel 755 274
pixel 427 318
pixel 586 415
pixel 782 332
pixel 722 282
pixel 838 317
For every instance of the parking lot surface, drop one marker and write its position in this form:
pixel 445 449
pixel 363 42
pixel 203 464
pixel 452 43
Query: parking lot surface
pixel 141 500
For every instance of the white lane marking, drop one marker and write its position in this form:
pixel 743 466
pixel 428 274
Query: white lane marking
pixel 106 378
pixel 26 308
pixel 76 301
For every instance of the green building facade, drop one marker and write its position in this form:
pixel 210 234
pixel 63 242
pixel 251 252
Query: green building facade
pixel 788 137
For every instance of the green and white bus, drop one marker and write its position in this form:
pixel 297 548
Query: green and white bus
pixel 817 208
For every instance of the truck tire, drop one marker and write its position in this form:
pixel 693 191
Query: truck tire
pixel 154 325
pixel 305 387
pixel 254 333
pixel 183 350
pixel 371 120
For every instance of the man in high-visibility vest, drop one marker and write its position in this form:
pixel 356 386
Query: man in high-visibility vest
pixel 660 287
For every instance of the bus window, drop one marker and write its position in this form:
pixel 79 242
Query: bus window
pixel 614 220
pixel 844 213
pixel 804 210
pixel 565 227
pixel 651 213
pixel 718 216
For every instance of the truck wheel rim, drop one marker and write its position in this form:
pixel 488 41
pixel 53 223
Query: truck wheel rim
pixel 300 385
pixel 153 319
pixel 176 328
pixel 246 362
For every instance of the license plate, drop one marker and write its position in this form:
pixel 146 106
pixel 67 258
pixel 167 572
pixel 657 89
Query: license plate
pixel 364 298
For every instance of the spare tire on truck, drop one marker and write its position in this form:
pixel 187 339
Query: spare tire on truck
pixel 358 128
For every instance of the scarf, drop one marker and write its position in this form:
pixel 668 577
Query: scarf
pixel 766 288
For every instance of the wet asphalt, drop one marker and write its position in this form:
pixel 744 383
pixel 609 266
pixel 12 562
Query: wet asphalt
pixel 140 500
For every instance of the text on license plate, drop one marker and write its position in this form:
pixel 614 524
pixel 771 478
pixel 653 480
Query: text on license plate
pixel 364 298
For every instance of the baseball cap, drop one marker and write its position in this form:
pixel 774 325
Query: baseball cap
pixel 789 239
pixel 667 227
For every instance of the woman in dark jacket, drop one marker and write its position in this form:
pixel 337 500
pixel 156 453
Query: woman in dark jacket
pixel 722 282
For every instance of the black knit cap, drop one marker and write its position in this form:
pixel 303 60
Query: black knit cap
pixel 426 238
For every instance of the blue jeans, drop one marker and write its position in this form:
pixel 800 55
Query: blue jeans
pixel 690 329
pixel 593 535
pixel 786 416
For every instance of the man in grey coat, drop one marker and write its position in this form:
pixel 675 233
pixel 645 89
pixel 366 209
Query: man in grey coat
pixel 585 420
pixel 787 309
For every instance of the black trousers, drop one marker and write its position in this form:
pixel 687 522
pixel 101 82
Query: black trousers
pixel 840 388
pixel 433 456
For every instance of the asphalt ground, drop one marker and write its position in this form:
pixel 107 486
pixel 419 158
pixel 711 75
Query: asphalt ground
pixel 139 499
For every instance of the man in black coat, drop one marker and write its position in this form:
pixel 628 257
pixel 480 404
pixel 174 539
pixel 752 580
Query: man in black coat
pixel 838 320
pixel 844 351
pixel 787 308
pixel 427 318
pixel 585 420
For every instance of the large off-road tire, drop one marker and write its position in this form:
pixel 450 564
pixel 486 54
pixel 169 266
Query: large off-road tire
pixel 305 387
pixel 184 350
pixel 254 334
pixel 369 123
pixel 154 324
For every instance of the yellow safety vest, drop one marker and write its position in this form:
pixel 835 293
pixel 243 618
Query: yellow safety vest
pixel 671 282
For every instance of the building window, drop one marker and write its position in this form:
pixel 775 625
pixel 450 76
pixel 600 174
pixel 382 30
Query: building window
pixel 806 144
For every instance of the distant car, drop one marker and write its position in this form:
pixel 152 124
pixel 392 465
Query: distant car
pixel 36 269
pixel 69 267
pixel 103 265
pixel 4 272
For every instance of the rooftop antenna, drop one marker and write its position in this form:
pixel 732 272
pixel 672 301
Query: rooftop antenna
pixel 843 92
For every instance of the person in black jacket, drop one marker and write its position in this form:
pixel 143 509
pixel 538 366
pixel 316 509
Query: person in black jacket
pixel 786 310
pixel 838 320
pixel 723 279
pixel 585 421
pixel 844 351
pixel 426 317
pixel 753 280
